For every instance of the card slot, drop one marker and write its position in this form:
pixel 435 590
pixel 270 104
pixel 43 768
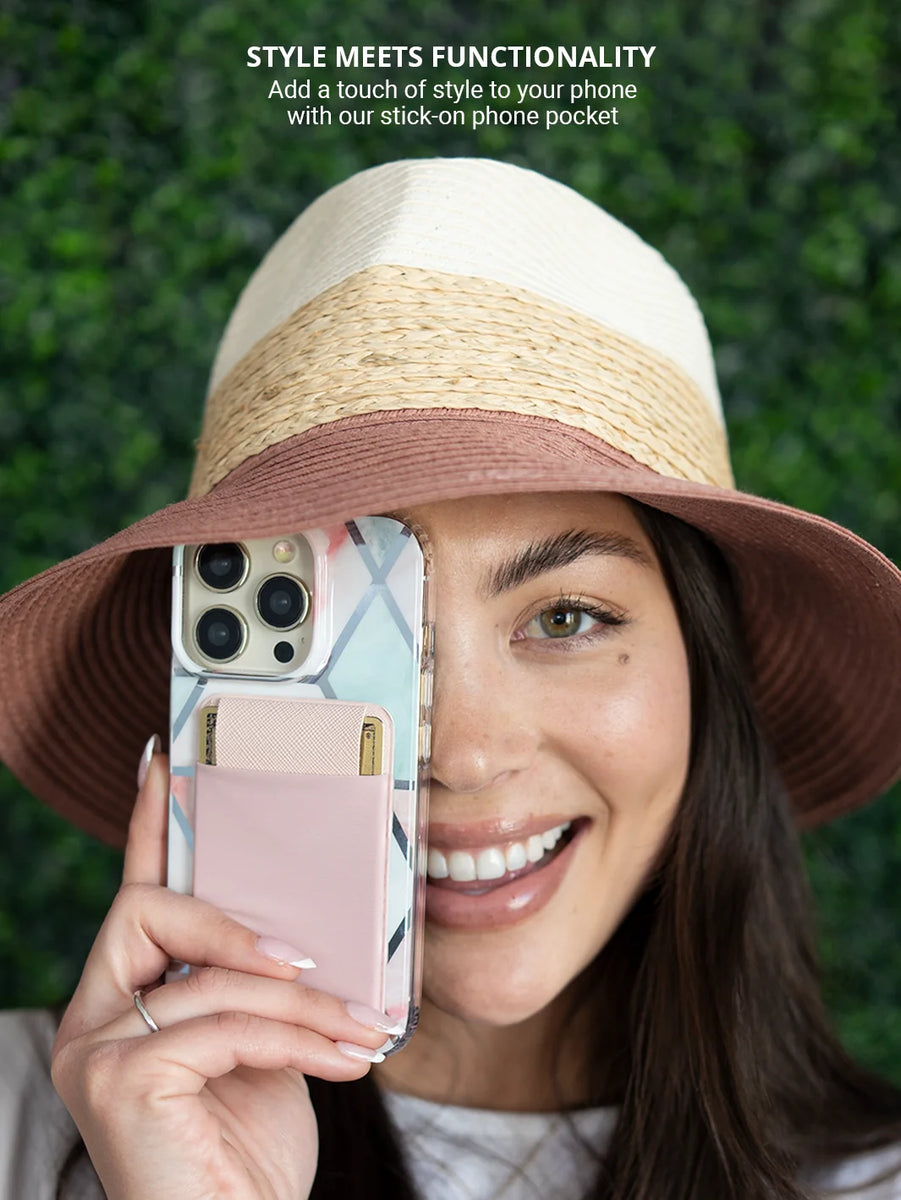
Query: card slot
pixel 297 734
pixel 303 858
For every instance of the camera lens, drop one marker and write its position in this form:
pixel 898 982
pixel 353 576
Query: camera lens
pixel 221 566
pixel 220 634
pixel 282 602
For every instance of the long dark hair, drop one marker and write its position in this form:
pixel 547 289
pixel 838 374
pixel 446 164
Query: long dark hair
pixel 730 1077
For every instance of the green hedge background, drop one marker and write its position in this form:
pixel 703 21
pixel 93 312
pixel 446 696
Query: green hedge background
pixel 144 173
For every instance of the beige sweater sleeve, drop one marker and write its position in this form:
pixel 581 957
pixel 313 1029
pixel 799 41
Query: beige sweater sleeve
pixel 36 1131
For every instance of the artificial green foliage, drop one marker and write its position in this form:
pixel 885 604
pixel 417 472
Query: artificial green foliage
pixel 144 173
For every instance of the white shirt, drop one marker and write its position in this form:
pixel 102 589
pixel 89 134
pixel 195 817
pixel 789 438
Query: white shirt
pixel 474 1154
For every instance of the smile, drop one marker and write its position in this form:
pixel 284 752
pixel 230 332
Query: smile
pixel 486 886
pixel 494 862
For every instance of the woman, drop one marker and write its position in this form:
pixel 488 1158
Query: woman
pixel 632 658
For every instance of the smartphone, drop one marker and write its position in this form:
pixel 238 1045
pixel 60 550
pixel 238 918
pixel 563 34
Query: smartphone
pixel 299 745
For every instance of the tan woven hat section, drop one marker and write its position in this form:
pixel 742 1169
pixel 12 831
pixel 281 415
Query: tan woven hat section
pixel 389 338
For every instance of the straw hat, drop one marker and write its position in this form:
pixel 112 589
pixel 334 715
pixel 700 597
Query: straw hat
pixel 441 328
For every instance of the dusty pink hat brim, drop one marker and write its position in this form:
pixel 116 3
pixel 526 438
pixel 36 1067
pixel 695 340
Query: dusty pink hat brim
pixel 86 643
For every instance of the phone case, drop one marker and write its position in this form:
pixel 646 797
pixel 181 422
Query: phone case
pixel 283 831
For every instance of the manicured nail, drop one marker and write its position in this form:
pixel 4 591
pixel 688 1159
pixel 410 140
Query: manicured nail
pixel 153 747
pixel 354 1051
pixel 282 952
pixel 373 1019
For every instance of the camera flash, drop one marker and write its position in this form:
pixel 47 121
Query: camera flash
pixel 283 552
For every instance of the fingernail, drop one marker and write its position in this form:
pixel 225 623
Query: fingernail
pixel 153 746
pixel 282 952
pixel 373 1019
pixel 354 1051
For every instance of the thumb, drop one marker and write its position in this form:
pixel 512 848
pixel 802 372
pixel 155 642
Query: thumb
pixel 145 851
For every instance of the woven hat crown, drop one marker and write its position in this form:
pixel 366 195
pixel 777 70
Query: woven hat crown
pixel 466 284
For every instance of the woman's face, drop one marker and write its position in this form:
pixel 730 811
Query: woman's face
pixel 560 741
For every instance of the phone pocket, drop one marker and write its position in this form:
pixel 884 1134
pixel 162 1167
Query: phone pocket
pixel 302 858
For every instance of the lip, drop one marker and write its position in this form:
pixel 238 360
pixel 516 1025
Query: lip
pixel 507 904
pixel 476 835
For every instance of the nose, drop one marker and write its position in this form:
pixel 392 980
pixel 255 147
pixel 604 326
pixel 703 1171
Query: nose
pixel 483 728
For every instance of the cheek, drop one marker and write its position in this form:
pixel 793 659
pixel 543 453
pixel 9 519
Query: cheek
pixel 635 730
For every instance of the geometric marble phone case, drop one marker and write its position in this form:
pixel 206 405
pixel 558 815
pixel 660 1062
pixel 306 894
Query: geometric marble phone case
pixel 282 830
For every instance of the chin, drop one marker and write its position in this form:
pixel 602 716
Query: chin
pixel 486 986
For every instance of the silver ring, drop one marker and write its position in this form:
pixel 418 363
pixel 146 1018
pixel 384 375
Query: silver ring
pixel 142 1009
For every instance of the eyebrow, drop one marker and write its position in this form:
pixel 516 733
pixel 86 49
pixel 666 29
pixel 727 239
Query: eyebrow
pixel 559 551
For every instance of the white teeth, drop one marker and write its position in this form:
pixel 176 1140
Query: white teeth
pixel 493 863
pixel 462 866
pixel 437 865
pixel 516 856
pixel 534 848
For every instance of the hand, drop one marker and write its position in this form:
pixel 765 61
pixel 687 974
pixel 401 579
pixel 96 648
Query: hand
pixel 215 1104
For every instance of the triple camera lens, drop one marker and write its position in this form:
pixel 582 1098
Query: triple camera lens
pixel 281 601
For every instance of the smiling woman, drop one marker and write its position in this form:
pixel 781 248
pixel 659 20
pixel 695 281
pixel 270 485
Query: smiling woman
pixel 562 719
pixel 642 687
pixel 563 709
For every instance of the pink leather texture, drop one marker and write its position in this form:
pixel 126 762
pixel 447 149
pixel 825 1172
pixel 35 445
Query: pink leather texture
pixel 290 734
pixel 302 858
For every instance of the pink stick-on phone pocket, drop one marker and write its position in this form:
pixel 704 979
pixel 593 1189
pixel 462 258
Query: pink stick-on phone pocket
pixel 302 858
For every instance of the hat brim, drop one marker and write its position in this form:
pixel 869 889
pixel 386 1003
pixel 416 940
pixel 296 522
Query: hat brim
pixel 86 643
